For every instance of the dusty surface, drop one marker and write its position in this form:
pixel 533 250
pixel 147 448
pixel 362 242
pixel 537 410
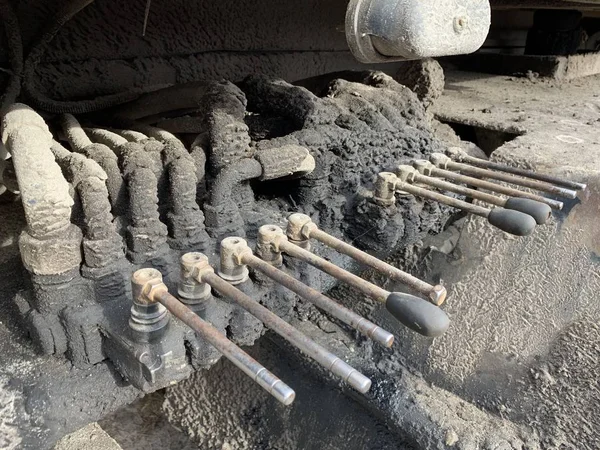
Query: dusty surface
pixel 102 50
pixel 353 132
pixel 523 341
pixel 144 425
pixel 91 436
pixel 489 356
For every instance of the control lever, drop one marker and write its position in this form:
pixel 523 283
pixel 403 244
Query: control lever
pixel 436 171
pixel 460 155
pixel 539 211
pixel 413 312
pixel 508 220
pixel 301 228
pixel 232 272
pixel 148 288
pixel 441 160
pixel 269 233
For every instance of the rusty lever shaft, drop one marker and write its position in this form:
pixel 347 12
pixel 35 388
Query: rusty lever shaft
pixel 327 359
pixel 302 226
pixel 156 291
pixel 323 302
pixel 461 156
pixel 513 222
pixel 436 171
pixel 539 211
pixel 231 266
pixel 447 163
pixel 413 312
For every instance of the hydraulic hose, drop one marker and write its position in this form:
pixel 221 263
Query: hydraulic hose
pixel 42 101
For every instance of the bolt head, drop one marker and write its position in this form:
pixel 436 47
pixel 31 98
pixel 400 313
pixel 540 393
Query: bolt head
pixel 439 160
pixel 192 264
pixel 145 283
pixel 423 166
pixel 456 153
pixel 296 222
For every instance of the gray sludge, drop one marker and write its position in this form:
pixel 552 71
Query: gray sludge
pixel 143 201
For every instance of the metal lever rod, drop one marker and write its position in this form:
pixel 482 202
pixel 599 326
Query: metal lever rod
pixel 539 211
pixel 327 359
pixel 156 291
pixel 373 291
pixel 436 171
pixel 447 163
pixel 347 316
pixel 232 270
pixel 513 222
pixel 301 227
pixel 413 312
pixel 460 156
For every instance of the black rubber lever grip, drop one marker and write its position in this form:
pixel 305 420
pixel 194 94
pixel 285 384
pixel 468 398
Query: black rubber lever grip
pixel 513 222
pixel 538 210
pixel 417 314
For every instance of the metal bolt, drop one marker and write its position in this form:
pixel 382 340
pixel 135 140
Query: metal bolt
pixel 144 285
pixel 385 189
pixel 296 223
pixel 231 268
pixel 189 290
pixel 147 318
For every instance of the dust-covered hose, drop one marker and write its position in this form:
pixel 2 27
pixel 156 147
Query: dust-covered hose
pixel 40 100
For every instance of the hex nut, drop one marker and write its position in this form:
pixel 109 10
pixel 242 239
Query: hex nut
pixel 267 244
pixel 145 284
pixel 54 255
pixel 231 268
pixel 296 223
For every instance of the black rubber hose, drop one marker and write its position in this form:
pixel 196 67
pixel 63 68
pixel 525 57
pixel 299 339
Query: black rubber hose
pixel 64 14
pixel 417 314
pixel 538 210
pixel 513 222
pixel 15 54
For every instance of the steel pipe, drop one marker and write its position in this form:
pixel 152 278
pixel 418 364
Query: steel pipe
pixel 148 288
pixel 442 160
pixel 461 156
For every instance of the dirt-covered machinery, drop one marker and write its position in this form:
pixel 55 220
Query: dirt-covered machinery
pixel 190 180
